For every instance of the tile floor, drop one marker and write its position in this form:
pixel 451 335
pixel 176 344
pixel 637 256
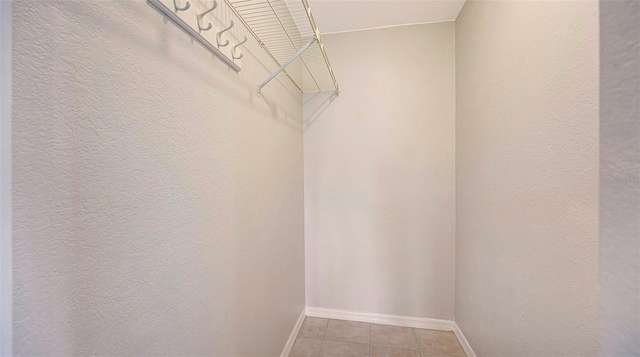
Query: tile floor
pixel 338 338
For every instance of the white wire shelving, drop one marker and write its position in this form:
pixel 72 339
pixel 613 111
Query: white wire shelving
pixel 287 31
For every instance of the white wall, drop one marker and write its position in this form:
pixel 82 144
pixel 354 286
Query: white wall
pixel 157 200
pixel 527 177
pixel 379 175
pixel 619 279
pixel 5 179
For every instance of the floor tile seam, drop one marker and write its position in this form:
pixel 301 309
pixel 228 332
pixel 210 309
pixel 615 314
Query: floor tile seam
pixel 358 343
pixel 397 348
pixel 324 332
pixel 326 327
pixel 415 334
pixel 369 325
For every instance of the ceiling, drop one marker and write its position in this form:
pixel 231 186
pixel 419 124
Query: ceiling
pixel 351 15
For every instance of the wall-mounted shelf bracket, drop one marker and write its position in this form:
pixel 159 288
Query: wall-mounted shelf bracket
pixel 298 54
pixel 171 14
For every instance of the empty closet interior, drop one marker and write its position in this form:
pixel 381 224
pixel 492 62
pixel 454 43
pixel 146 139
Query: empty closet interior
pixel 197 177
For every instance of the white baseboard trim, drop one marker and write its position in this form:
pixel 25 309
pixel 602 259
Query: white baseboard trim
pixel 294 334
pixel 463 341
pixel 405 321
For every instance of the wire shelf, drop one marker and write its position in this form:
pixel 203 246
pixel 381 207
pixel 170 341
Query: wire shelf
pixel 284 29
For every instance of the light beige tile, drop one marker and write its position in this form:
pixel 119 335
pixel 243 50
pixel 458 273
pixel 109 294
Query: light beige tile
pixel 439 343
pixel 378 351
pixel 393 336
pixel 348 331
pixel 306 347
pixel 313 327
pixel 343 349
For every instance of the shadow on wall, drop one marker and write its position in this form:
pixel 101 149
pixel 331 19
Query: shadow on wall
pixel 239 85
pixel 314 105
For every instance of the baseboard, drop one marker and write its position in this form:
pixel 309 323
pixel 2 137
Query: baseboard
pixel 463 341
pixel 294 334
pixel 405 321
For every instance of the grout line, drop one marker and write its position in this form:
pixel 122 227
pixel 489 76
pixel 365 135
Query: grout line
pixel 396 348
pixel 324 333
pixel 399 348
pixel 369 339
pixel 326 327
pixel 417 341
pixel 357 343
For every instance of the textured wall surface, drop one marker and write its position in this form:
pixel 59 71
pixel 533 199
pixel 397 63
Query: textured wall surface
pixel 379 175
pixel 527 177
pixel 157 199
pixel 6 291
pixel 619 302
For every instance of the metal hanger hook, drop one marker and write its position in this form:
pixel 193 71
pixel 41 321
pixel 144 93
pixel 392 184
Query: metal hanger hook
pixel 202 28
pixel 233 50
pixel 186 6
pixel 219 36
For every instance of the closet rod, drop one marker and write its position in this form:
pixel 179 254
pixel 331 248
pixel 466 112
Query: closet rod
pixel 274 74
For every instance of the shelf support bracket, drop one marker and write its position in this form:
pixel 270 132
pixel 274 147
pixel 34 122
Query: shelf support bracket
pixel 304 48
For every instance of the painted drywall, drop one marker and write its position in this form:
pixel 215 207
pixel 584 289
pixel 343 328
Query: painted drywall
pixel 157 200
pixel 527 177
pixel 619 280
pixel 5 180
pixel 379 175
